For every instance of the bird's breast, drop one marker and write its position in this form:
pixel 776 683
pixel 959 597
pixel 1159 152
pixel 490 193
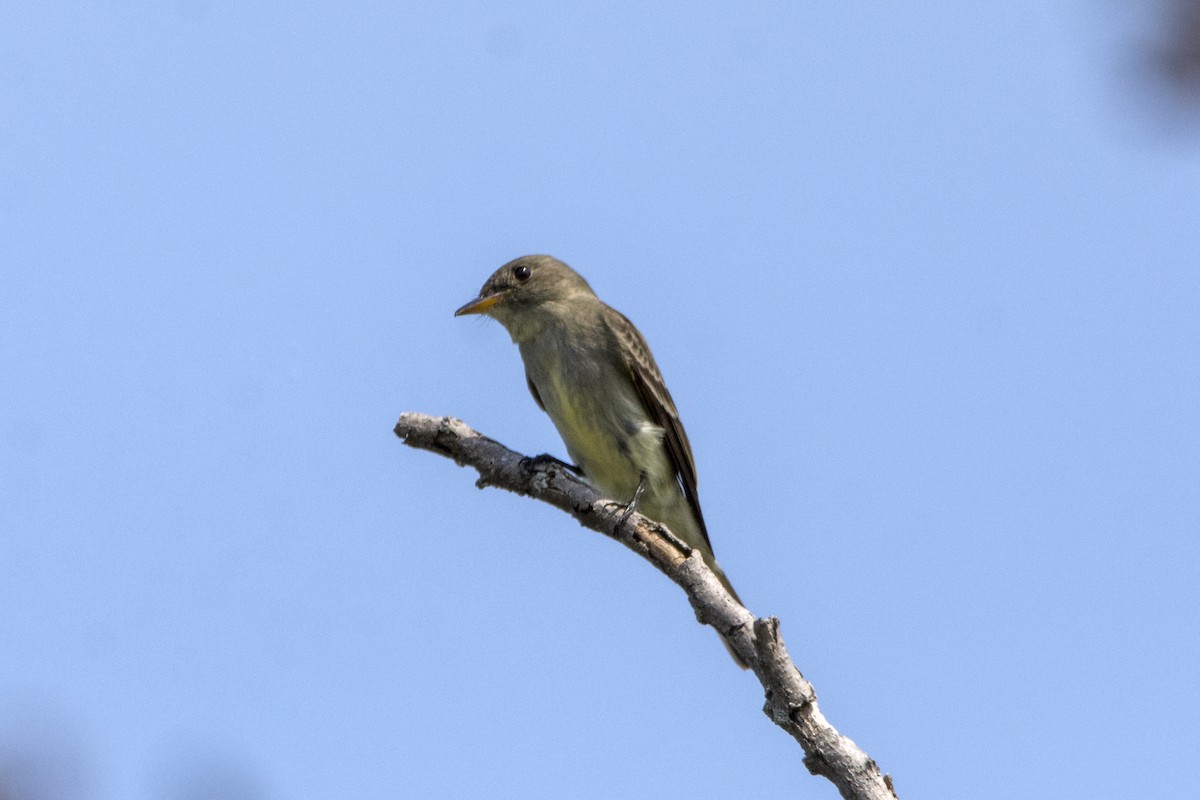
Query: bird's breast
pixel 599 417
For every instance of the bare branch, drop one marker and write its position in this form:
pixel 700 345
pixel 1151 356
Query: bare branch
pixel 791 702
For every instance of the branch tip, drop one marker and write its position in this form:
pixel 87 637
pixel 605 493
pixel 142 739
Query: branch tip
pixel 790 703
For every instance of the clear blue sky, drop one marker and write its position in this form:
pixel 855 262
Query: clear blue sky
pixel 923 280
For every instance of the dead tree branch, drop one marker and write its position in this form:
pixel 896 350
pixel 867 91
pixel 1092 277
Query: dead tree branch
pixel 791 702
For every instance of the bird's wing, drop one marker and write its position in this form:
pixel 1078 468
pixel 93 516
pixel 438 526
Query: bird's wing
pixel 652 391
pixel 537 398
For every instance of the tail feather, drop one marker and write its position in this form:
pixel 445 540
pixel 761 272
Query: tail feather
pixel 720 573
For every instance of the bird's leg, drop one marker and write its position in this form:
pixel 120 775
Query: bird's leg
pixel 545 459
pixel 631 506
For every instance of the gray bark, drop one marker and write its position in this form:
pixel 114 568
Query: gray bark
pixel 791 702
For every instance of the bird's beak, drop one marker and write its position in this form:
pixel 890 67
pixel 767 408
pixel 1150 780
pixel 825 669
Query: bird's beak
pixel 480 305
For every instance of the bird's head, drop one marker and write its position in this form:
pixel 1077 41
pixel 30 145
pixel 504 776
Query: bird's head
pixel 526 290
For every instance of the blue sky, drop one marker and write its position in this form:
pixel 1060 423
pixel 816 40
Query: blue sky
pixel 922 280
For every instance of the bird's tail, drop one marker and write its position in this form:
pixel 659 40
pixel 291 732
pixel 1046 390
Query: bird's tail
pixel 720 573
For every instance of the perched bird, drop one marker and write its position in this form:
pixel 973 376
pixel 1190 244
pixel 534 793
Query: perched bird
pixel 589 368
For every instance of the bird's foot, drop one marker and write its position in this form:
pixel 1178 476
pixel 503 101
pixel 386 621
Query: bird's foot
pixel 547 460
pixel 631 506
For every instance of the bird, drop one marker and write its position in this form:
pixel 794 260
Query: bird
pixel 590 369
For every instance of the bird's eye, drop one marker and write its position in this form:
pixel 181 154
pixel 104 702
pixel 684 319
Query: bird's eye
pixel 521 272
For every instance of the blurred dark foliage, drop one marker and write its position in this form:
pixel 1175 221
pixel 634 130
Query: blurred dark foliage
pixel 42 757
pixel 37 765
pixel 1175 54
